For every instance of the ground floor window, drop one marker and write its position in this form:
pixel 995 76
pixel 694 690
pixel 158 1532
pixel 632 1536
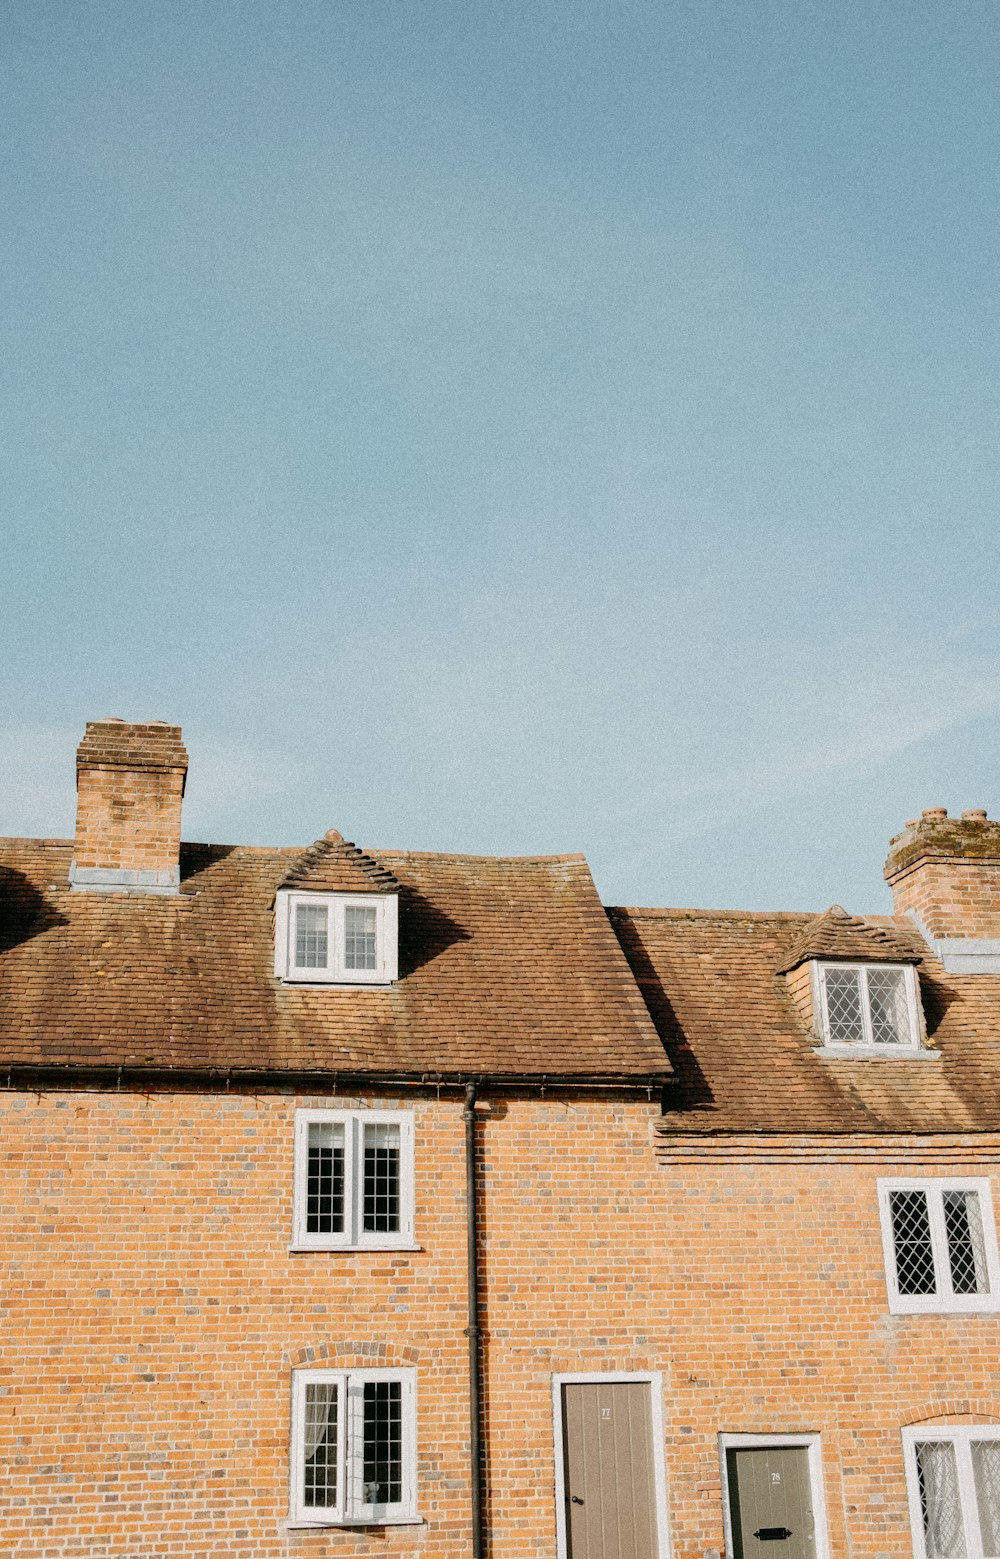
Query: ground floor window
pixel 953 1476
pixel 353 1447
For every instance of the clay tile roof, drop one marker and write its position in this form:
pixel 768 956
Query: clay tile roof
pixel 507 967
pixel 334 865
pixel 837 935
pixel 745 1061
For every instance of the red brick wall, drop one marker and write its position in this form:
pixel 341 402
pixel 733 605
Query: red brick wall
pixel 954 898
pixel 152 1315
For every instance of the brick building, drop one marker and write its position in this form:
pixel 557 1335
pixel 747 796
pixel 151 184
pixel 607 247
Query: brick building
pixel 727 1279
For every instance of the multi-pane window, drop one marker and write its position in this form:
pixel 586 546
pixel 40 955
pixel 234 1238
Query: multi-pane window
pixel 353 1179
pixel 940 1245
pixel 954 1485
pixel 353 1446
pixel 334 938
pixel 873 1005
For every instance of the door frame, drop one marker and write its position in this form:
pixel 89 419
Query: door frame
pixel 652 1378
pixel 761 1442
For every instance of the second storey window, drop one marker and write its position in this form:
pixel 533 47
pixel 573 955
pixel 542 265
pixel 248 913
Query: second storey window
pixel 353 1179
pixel 868 1005
pixel 940 1245
pixel 336 939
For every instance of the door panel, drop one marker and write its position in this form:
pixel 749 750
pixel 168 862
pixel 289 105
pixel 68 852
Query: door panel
pixel 609 1480
pixel 770 1502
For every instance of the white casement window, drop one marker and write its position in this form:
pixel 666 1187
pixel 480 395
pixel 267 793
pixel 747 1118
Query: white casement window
pixel 336 939
pixel 353 1180
pixel 953 1479
pixel 940 1245
pixel 867 1006
pixel 353 1454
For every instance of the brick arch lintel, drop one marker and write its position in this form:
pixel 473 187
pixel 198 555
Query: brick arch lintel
pixel 984 1410
pixel 366 1354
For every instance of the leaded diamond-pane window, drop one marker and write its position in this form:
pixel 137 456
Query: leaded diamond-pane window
pixel 868 1004
pixel 941 1245
pixel 911 1232
pixel 944 1530
pixel 954 1479
pixel 966 1251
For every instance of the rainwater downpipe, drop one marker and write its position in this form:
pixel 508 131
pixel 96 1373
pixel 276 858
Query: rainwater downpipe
pixel 472 1331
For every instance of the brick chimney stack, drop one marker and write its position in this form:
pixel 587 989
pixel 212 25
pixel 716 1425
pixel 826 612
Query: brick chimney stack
pixel 129 782
pixel 945 873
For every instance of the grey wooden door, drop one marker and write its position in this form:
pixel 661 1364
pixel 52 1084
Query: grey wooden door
pixel 609 1481
pixel 770 1502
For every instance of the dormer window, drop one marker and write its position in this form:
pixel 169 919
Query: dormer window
pixel 336 938
pixel 867 1006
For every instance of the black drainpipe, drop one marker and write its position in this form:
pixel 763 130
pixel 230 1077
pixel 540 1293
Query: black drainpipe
pixel 472 1331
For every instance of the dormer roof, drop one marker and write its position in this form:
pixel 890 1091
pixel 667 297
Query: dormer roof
pixel 334 865
pixel 836 935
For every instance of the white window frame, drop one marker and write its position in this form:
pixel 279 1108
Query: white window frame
pixel 352 1510
pixel 866 1047
pixel 754 1442
pixel 943 1302
pixel 353 1236
pixel 961 1436
pixel 386 907
pixel 609 1378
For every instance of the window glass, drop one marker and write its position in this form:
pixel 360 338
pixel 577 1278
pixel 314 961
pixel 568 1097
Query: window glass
pixel 986 1472
pixel 887 1006
pixel 843 999
pixel 382 1472
pixel 937 1472
pixel 966 1250
pixel 911 1233
pixel 320 1448
pixel 359 937
pixel 311 938
pixel 325 1178
pixel 381 1179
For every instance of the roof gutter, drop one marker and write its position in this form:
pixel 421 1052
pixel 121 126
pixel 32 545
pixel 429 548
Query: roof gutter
pixel 137 1075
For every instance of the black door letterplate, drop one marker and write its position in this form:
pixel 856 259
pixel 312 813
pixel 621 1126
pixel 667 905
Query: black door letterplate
pixel 772 1534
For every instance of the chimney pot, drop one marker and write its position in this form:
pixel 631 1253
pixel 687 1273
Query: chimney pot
pixel 934 814
pixel 976 815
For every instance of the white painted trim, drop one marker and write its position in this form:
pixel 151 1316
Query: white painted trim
pixel 352 1511
pixel 386 907
pixel 353 1236
pixel 821 1011
pixel 944 1302
pixel 652 1378
pixel 961 1436
pixel 750 1442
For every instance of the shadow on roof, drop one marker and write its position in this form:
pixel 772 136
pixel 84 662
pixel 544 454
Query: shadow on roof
pixel 196 858
pixel 24 911
pixel 425 931
pixel 691 1089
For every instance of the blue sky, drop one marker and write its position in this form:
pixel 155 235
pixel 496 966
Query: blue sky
pixel 509 428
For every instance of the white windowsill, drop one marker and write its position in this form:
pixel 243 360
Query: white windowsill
pixel 877 1053
pixel 349 1250
pixel 354 1526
